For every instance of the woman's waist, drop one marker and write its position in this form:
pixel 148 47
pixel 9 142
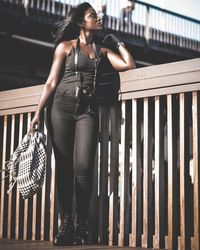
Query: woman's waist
pixel 81 76
pixel 71 86
pixel 75 89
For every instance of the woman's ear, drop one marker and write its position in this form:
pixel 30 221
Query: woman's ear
pixel 82 24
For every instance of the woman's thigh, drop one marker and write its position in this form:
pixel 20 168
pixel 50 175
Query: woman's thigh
pixel 63 128
pixel 86 133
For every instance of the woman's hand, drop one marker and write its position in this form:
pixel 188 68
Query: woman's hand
pixel 34 123
pixel 120 61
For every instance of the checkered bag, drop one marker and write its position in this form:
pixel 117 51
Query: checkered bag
pixel 27 165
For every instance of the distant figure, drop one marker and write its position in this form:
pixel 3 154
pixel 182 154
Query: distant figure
pixel 73 116
pixel 126 11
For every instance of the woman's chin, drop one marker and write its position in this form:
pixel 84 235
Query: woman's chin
pixel 100 27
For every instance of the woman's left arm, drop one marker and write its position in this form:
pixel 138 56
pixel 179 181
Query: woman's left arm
pixel 121 62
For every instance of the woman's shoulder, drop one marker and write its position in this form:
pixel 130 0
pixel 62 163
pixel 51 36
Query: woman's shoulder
pixel 66 46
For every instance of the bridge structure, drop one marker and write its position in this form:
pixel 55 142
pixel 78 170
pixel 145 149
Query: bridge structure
pixel 152 35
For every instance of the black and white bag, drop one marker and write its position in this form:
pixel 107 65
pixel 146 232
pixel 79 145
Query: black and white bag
pixel 27 165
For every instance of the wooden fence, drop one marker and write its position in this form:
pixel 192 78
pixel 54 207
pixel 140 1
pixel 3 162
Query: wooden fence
pixel 147 166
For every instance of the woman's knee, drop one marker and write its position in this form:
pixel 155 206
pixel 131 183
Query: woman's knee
pixel 82 168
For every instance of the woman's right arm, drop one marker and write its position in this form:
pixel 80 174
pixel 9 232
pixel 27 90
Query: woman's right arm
pixel 50 84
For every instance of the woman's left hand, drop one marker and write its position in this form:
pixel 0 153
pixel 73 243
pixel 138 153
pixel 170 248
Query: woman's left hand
pixel 121 62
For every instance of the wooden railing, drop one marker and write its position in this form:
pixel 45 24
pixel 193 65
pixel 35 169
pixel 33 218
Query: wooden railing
pixel 147 166
pixel 145 21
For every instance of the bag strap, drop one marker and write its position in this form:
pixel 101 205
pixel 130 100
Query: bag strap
pixel 97 59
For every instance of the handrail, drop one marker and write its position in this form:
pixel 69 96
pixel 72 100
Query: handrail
pixel 168 11
pixel 168 78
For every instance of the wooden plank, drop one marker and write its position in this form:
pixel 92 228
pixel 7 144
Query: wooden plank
pixel 34 210
pixel 184 175
pixel 26 201
pixel 17 110
pixel 34 217
pixel 19 102
pixel 114 174
pixel 3 174
pixel 20 244
pixel 103 195
pixel 21 92
pixel 52 197
pixel 147 236
pixel 122 177
pixel 44 195
pixel 135 236
pixel 196 166
pixel 160 91
pixel 127 174
pixel 9 221
pixel 157 71
pixel 161 82
pixel 159 174
pixel 148 78
pixel 18 200
pixel 20 98
pixel 172 136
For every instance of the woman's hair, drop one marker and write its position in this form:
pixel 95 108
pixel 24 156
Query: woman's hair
pixel 69 28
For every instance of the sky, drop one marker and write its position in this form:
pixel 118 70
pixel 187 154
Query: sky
pixel 189 8
pixel 164 22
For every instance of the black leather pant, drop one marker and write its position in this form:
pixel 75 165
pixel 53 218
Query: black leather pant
pixel 74 137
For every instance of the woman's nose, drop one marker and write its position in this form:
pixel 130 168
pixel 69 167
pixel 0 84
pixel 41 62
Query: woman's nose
pixel 98 19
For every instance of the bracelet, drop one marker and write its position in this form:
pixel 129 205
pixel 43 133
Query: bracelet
pixel 120 43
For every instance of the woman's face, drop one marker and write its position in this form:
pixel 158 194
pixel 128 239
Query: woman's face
pixel 92 21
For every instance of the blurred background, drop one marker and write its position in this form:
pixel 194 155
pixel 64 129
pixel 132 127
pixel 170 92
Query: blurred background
pixel 154 31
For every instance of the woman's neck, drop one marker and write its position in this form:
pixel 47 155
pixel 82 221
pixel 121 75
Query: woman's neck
pixel 86 37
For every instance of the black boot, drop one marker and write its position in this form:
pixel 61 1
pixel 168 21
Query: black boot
pixel 81 232
pixel 65 235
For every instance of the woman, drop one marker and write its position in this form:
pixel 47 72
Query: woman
pixel 74 114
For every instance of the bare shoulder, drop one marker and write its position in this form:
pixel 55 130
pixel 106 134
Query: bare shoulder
pixel 65 47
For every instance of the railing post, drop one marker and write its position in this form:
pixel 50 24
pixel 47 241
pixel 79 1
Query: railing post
pixel 159 174
pixel 196 166
pixel 2 205
pixel 172 135
pixel 147 29
pixel 27 201
pixel 122 176
pixel 147 176
pixel 10 195
pixel 103 193
pixel 114 174
pixel 135 236
pixel 17 219
pixel 184 243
